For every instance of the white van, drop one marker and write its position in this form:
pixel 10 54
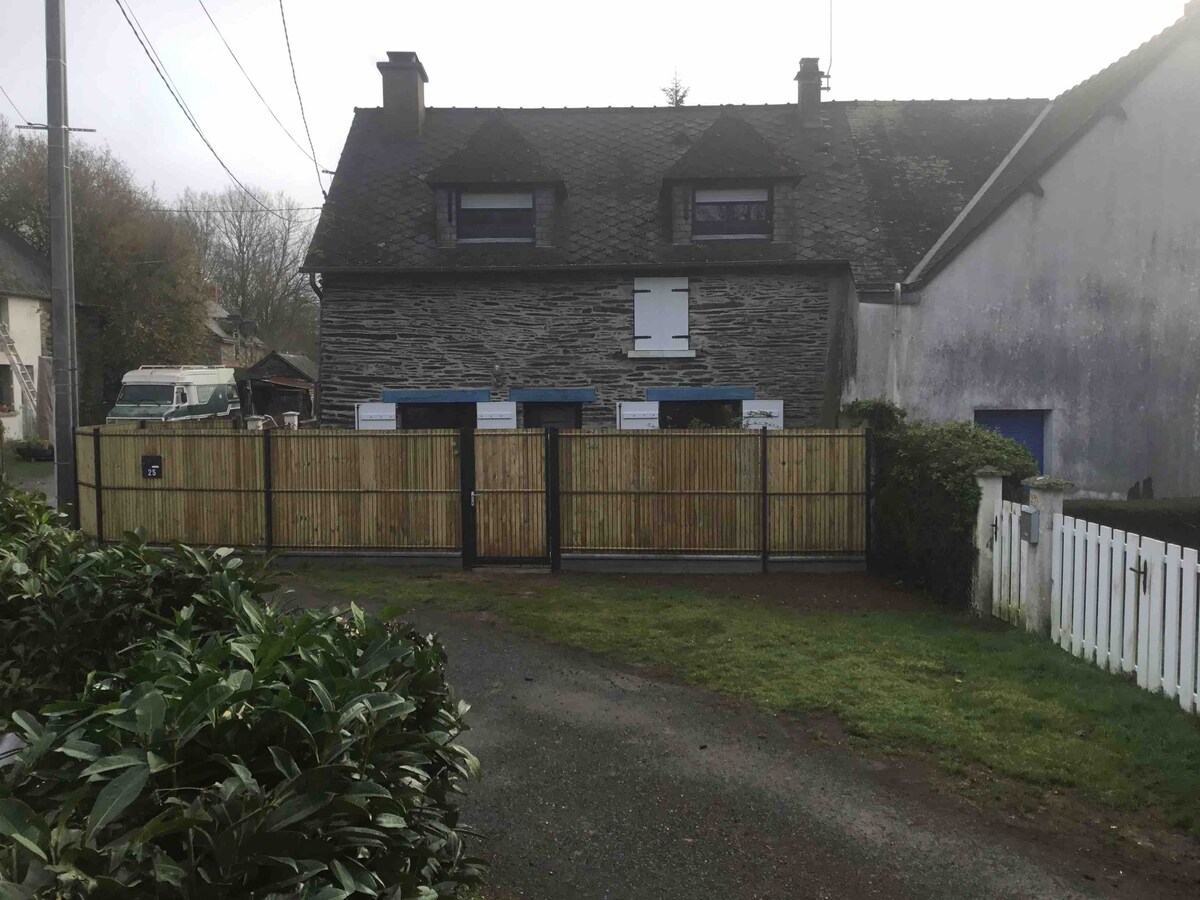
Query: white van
pixel 170 393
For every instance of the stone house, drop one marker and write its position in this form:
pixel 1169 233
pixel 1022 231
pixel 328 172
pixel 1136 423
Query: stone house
pixel 25 315
pixel 1062 306
pixel 231 338
pixel 635 267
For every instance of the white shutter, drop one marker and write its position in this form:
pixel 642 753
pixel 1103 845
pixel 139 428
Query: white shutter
pixel 637 415
pixel 375 416
pixel 762 414
pixel 660 314
pixel 496 414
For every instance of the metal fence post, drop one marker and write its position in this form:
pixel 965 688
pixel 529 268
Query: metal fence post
pixel 466 481
pixel 268 500
pixel 97 492
pixel 553 502
pixel 766 506
pixel 868 495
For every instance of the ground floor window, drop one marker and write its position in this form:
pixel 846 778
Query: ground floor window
pixel 435 415
pixel 553 415
pixel 7 392
pixel 700 414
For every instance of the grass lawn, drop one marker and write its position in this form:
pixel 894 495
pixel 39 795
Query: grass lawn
pixel 930 681
pixel 30 475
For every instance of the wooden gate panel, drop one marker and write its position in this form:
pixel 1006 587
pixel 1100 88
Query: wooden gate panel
pixel 816 484
pixel 510 494
pixel 396 490
pixel 660 491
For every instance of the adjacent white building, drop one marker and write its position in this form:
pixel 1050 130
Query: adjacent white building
pixel 24 337
pixel 1062 307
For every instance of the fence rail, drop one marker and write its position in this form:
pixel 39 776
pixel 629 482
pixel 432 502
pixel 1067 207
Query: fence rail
pixel 1127 604
pixel 490 495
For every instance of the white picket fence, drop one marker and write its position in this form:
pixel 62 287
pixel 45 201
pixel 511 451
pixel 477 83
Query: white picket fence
pixel 1009 564
pixel 1124 602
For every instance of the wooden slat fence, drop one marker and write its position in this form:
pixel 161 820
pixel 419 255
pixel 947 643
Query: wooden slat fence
pixel 1128 604
pixel 523 494
pixel 1009 564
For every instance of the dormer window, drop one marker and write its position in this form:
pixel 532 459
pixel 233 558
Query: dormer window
pixel 731 213
pixel 496 217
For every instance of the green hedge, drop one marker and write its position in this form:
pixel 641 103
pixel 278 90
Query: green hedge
pixel 925 495
pixel 204 743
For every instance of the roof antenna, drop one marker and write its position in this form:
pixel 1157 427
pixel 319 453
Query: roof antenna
pixel 829 65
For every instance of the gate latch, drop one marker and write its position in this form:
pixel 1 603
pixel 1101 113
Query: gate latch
pixel 472 499
pixel 1142 570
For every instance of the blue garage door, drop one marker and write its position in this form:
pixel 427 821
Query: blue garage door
pixel 1025 426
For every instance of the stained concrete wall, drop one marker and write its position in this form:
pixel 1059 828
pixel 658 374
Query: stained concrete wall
pixel 770 331
pixel 1084 302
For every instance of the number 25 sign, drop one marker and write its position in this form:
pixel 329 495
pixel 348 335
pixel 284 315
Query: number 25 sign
pixel 152 467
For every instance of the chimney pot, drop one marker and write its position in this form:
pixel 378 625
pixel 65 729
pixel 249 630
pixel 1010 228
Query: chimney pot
pixel 809 93
pixel 404 82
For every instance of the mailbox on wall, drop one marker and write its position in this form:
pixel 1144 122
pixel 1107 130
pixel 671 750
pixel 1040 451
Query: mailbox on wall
pixel 496 414
pixel 762 414
pixel 375 416
pixel 637 415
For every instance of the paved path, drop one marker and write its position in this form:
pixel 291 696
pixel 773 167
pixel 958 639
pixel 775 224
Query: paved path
pixel 600 782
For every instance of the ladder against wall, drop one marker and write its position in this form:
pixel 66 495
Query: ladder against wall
pixel 23 376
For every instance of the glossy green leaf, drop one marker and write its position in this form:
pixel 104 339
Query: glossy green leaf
pixel 116 797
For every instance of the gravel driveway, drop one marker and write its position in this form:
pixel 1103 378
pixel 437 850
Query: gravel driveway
pixel 605 782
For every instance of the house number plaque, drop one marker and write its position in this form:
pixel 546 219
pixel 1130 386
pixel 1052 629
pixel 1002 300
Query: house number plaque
pixel 152 467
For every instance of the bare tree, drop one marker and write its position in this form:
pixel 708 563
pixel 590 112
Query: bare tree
pixel 675 92
pixel 253 256
pixel 137 275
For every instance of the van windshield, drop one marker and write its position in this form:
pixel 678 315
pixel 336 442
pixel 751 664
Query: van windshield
pixel 146 393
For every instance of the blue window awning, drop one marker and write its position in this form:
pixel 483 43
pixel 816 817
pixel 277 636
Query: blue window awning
pixel 716 392
pixel 553 395
pixel 464 395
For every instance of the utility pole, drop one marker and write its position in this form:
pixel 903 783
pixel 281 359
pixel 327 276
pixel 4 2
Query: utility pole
pixel 62 259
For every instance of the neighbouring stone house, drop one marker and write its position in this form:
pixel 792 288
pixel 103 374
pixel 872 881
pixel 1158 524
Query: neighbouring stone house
pixel 25 315
pixel 637 266
pixel 231 338
pixel 1062 306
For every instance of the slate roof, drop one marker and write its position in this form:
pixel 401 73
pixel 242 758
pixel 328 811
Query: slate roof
pixel 23 271
pixel 1068 118
pixel 731 148
pixel 300 363
pixel 495 154
pixel 876 182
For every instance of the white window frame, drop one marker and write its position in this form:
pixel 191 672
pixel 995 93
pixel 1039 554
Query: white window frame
pixel 661 318
pixel 495 200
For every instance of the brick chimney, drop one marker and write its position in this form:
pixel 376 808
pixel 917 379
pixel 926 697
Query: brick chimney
pixel 404 81
pixel 809 95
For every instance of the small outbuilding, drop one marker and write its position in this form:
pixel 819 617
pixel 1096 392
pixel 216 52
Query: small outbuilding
pixel 279 383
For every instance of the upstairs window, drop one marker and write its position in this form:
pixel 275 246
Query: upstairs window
pixel 495 217
pixel 731 212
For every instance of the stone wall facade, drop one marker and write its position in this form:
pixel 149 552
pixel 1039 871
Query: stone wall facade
pixel 766 330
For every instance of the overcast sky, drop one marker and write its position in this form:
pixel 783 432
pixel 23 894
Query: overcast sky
pixel 523 53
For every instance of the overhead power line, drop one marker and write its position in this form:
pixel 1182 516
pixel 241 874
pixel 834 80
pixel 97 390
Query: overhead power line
pixel 146 45
pixel 296 82
pixel 20 115
pixel 250 81
pixel 207 209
